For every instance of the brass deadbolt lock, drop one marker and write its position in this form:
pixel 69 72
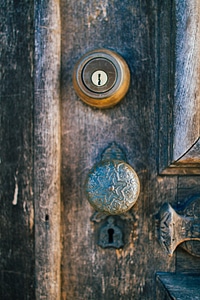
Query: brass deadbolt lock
pixel 101 78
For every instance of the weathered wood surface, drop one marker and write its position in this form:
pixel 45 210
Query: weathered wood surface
pixel 89 272
pixel 178 286
pixel 144 33
pixel 30 150
pixel 185 262
pixel 179 61
pixel 16 151
pixel 161 291
pixel 47 149
pixel 187 68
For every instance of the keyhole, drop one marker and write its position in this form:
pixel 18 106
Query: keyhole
pixel 110 235
pixel 99 79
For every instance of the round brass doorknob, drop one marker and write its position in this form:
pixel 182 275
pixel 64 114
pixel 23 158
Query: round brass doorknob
pixel 112 187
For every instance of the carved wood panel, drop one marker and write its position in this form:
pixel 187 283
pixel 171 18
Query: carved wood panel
pixel 179 97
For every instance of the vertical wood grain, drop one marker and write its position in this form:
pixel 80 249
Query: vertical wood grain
pixel 30 209
pixel 178 86
pixel 187 69
pixel 88 271
pixel 47 149
pixel 16 151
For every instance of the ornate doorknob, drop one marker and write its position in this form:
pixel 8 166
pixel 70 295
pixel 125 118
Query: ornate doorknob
pixel 112 186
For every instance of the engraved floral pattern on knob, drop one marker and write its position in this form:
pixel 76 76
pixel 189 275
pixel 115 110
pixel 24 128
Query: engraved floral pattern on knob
pixel 112 187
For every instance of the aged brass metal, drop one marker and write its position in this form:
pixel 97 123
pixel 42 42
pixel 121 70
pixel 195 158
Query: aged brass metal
pixel 112 186
pixel 101 78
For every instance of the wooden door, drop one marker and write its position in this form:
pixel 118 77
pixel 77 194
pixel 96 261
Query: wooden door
pixel 146 125
pixel 50 140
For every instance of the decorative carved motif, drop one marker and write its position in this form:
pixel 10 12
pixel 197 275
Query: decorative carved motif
pixel 112 186
pixel 174 229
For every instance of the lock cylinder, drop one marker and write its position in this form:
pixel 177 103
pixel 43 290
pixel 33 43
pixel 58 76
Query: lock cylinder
pixel 101 78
